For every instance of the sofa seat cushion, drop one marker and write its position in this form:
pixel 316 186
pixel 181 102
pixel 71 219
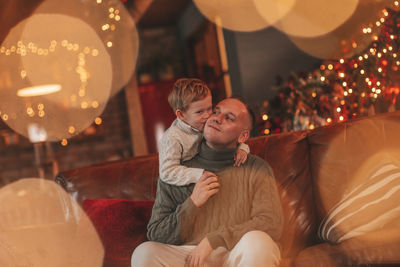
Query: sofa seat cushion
pixel 121 225
pixel 373 249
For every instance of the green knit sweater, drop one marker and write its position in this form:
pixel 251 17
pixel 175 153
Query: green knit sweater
pixel 247 200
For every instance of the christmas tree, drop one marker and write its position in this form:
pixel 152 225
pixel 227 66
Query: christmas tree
pixel 341 90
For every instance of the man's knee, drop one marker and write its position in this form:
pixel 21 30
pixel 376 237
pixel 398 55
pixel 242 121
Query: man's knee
pixel 259 240
pixel 255 248
pixel 143 255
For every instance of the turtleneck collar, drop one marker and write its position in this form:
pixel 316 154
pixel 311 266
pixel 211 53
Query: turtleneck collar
pixel 215 159
pixel 186 127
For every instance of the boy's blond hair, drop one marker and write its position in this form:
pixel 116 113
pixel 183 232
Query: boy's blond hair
pixel 186 91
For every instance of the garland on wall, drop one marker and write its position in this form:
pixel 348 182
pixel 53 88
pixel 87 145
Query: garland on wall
pixel 340 90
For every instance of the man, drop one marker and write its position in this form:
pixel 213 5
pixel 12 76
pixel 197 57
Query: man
pixel 232 218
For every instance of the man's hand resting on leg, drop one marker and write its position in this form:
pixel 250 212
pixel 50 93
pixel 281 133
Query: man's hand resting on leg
pixel 198 256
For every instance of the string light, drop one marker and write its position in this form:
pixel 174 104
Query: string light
pixel 98 121
pixel 265 117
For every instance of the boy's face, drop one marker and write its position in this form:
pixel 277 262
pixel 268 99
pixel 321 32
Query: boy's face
pixel 197 113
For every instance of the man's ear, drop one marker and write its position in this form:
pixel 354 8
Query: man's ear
pixel 179 114
pixel 244 135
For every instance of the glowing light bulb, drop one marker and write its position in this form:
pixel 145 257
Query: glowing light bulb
pixel 39 90
pixel 341 118
pixel 64 142
pixel 350 90
pixel 328 120
pixel 322 78
pixel 265 117
pixel 341 60
pixel 98 121
pixel 338 109
pixel 71 129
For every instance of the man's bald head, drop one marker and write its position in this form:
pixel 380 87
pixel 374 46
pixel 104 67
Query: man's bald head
pixel 230 124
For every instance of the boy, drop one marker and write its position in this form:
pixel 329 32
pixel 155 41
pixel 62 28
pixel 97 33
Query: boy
pixel 191 101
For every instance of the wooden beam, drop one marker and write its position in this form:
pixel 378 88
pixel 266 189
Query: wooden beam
pixel 136 122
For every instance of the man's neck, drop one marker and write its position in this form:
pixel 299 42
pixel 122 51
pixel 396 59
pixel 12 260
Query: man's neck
pixel 219 146
pixel 213 159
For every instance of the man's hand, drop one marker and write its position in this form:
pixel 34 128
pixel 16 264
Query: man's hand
pixel 198 256
pixel 205 187
pixel 240 157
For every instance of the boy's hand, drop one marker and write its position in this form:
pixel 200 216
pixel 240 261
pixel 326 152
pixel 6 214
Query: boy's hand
pixel 205 187
pixel 240 157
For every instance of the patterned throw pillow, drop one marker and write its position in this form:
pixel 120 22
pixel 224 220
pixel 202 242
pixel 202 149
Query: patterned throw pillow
pixel 373 204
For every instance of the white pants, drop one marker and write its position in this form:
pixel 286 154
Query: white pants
pixel 254 249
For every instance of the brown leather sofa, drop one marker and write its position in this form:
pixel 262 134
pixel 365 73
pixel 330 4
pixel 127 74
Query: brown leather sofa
pixel 314 170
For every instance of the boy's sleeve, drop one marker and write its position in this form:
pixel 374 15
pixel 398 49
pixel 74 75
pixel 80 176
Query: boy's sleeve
pixel 244 147
pixel 171 170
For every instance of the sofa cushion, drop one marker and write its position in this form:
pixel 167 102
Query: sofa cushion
pixel 381 248
pixel 340 153
pixel 133 178
pixel 121 225
pixel 370 206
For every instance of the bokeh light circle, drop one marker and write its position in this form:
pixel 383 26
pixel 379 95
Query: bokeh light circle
pixel 48 50
pixel 310 18
pixel 236 15
pixel 272 10
pixel 41 225
pixel 348 39
pixel 114 26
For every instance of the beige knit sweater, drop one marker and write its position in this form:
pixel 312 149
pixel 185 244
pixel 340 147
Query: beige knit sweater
pixel 248 200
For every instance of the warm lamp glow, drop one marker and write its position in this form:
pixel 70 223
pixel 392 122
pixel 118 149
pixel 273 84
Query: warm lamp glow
pixel 39 90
